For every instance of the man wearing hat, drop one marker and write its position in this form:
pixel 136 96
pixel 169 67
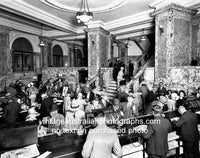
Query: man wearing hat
pixel 157 134
pixel 188 123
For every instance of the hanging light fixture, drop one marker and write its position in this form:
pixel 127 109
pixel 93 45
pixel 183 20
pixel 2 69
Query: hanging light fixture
pixel 41 44
pixel 75 44
pixel 84 15
pixel 143 38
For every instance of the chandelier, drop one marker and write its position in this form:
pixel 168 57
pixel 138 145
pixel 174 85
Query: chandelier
pixel 84 15
pixel 41 44
pixel 143 38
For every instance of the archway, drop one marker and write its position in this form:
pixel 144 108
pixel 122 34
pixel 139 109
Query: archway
pixel 22 55
pixel 57 56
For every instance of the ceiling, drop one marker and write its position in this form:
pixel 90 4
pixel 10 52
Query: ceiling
pixel 122 18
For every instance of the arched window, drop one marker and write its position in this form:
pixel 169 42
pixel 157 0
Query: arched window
pixel 77 58
pixel 57 56
pixel 22 55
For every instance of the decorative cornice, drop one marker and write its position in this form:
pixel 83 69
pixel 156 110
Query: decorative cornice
pixel 19 26
pixel 129 20
pixel 133 34
pixel 20 7
pixel 157 4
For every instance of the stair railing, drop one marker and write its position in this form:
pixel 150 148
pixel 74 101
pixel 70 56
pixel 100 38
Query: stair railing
pixel 92 82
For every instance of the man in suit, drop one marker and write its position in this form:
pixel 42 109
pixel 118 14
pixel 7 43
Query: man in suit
pixel 161 89
pixel 145 93
pixel 130 68
pixel 46 105
pixel 89 94
pixel 102 140
pixel 11 112
pixel 157 134
pixel 189 132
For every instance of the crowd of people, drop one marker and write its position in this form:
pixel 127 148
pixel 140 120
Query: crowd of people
pixel 64 108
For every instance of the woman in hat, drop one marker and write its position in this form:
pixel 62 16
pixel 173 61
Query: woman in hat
pixel 182 98
pixel 120 75
pixel 172 102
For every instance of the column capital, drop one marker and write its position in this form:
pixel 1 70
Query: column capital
pixel 173 6
pixel 97 29
pixel 46 39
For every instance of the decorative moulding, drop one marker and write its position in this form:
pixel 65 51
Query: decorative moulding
pixel 95 6
pixel 24 9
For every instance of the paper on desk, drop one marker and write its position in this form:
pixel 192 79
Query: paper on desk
pixel 47 153
pixel 141 128
pixel 26 152
pixel 197 112
pixel 175 119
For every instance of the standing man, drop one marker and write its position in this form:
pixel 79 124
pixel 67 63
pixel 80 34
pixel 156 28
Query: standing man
pixel 130 69
pixel 189 132
pixel 145 94
pixel 102 140
pixel 161 89
pixel 157 134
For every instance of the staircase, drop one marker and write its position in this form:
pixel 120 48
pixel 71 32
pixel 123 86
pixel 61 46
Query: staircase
pixel 111 91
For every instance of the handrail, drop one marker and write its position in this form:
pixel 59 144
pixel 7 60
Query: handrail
pixel 92 80
pixel 143 60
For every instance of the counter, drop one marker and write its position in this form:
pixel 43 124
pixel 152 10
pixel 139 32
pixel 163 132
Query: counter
pixel 70 145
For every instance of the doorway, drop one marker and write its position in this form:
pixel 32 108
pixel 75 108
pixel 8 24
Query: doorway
pixel 83 75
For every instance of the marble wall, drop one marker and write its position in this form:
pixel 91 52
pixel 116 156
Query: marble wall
pixel 186 78
pixel 97 50
pixel 173 38
pixel 196 36
pixel 71 74
pixel 107 76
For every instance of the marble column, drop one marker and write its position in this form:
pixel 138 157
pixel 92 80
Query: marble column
pixel 173 36
pixel 196 37
pixel 5 52
pixel 97 50
pixel 123 54
pixel 6 56
pixel 110 47
pixel 46 50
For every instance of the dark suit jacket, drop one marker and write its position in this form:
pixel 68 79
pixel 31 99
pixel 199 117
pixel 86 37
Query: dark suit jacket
pixel 106 105
pixel 46 107
pixel 91 96
pixel 157 143
pixel 188 123
pixel 161 91
pixel 152 96
pixel 11 112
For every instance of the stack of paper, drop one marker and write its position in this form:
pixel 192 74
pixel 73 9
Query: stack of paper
pixel 131 148
pixel 172 136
